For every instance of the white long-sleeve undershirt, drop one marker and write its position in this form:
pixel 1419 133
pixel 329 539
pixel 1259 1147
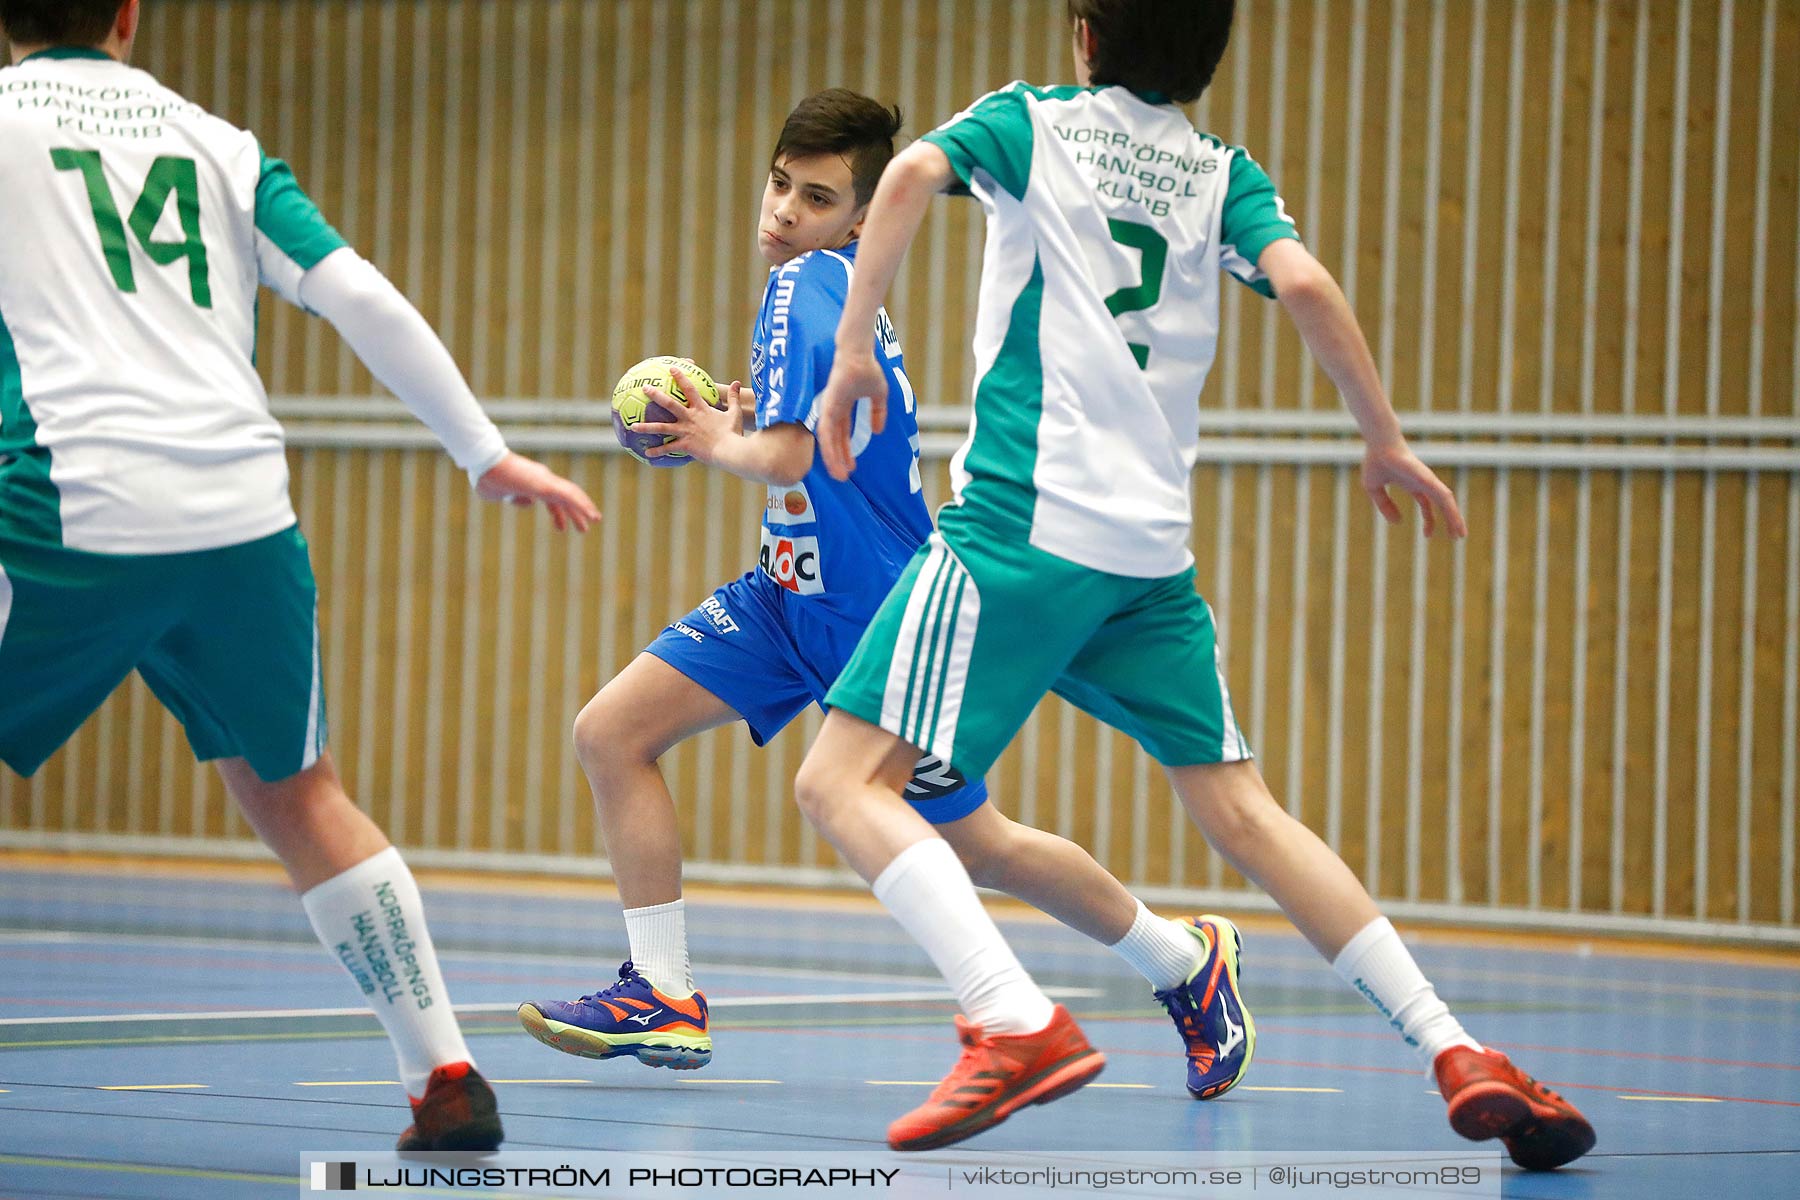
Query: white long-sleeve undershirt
pixel 400 348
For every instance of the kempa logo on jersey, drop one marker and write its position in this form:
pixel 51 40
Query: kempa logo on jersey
pixel 885 335
pixel 792 562
pixel 790 506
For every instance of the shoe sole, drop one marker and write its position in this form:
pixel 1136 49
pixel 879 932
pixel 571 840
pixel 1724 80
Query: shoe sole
pixel 1052 1083
pixel 583 1043
pixel 481 1135
pixel 1231 951
pixel 1535 1141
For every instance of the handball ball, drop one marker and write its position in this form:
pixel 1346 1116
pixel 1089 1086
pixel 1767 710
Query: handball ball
pixel 630 405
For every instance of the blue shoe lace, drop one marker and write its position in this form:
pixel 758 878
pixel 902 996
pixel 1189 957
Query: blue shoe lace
pixel 628 975
pixel 1180 1004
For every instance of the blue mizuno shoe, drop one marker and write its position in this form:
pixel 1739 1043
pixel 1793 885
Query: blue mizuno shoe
pixel 630 1017
pixel 1209 1011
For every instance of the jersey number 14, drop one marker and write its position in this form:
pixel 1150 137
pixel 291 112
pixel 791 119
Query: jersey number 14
pixel 168 176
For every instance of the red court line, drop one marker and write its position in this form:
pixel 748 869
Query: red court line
pixel 1385 1036
pixel 1586 1087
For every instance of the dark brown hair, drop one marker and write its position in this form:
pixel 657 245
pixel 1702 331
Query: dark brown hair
pixel 58 22
pixel 840 121
pixel 1170 47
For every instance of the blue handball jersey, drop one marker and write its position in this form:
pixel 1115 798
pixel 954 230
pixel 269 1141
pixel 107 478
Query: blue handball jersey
pixel 837 547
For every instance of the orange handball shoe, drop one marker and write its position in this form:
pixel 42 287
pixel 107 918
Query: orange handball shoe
pixel 1489 1097
pixel 457 1112
pixel 997 1075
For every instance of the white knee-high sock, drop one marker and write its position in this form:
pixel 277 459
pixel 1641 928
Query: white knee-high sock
pixel 659 948
pixel 927 889
pixel 371 920
pixel 1378 965
pixel 1159 949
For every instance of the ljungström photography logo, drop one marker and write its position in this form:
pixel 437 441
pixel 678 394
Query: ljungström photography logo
pixel 334 1177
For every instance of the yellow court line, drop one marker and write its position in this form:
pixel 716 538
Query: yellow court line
pixel 1247 1087
pixel 1677 1099
pixel 347 1083
pixel 723 1081
pixel 150 1087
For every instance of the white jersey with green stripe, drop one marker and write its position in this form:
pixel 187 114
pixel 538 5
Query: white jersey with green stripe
pixel 132 419
pixel 1109 220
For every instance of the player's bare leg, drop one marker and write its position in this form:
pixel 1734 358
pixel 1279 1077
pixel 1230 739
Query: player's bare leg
pixel 1018 1049
pixel 307 819
pixel 645 710
pixel 1190 964
pixel 1235 810
pixel 357 892
pixel 1488 1096
pixel 1050 873
pixel 851 788
pixel 652 1012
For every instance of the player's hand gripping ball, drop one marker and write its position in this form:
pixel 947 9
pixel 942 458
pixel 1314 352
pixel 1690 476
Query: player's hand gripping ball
pixel 630 405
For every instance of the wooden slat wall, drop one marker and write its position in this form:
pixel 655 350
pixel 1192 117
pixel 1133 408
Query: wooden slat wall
pixel 1535 207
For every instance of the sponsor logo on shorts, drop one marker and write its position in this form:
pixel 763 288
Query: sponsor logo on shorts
pixel 715 612
pixel 933 777
pixel 790 506
pixel 792 562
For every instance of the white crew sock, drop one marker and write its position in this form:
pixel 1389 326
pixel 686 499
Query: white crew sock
pixel 927 889
pixel 371 920
pixel 1160 950
pixel 1378 965
pixel 659 948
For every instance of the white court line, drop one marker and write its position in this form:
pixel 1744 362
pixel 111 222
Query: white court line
pixel 510 1006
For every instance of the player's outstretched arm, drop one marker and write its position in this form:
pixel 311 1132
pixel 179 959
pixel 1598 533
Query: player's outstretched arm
pixel 915 175
pixel 400 348
pixel 1328 326
pixel 523 481
pixel 780 455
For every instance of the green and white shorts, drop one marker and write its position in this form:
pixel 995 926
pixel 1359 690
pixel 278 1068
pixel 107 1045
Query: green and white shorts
pixel 973 635
pixel 228 639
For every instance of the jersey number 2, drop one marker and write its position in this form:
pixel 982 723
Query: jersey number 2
pixel 1154 249
pixel 167 175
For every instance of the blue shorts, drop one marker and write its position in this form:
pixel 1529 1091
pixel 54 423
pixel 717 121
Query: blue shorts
pixel 759 649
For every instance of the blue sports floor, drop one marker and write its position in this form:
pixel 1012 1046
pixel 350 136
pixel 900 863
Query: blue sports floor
pixel 177 1032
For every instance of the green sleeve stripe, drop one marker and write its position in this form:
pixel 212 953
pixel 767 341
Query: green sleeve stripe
pixel 994 135
pixel 286 215
pixel 1253 217
pixel 30 506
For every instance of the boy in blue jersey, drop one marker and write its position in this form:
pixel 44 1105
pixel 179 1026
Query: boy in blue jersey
pixel 766 645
